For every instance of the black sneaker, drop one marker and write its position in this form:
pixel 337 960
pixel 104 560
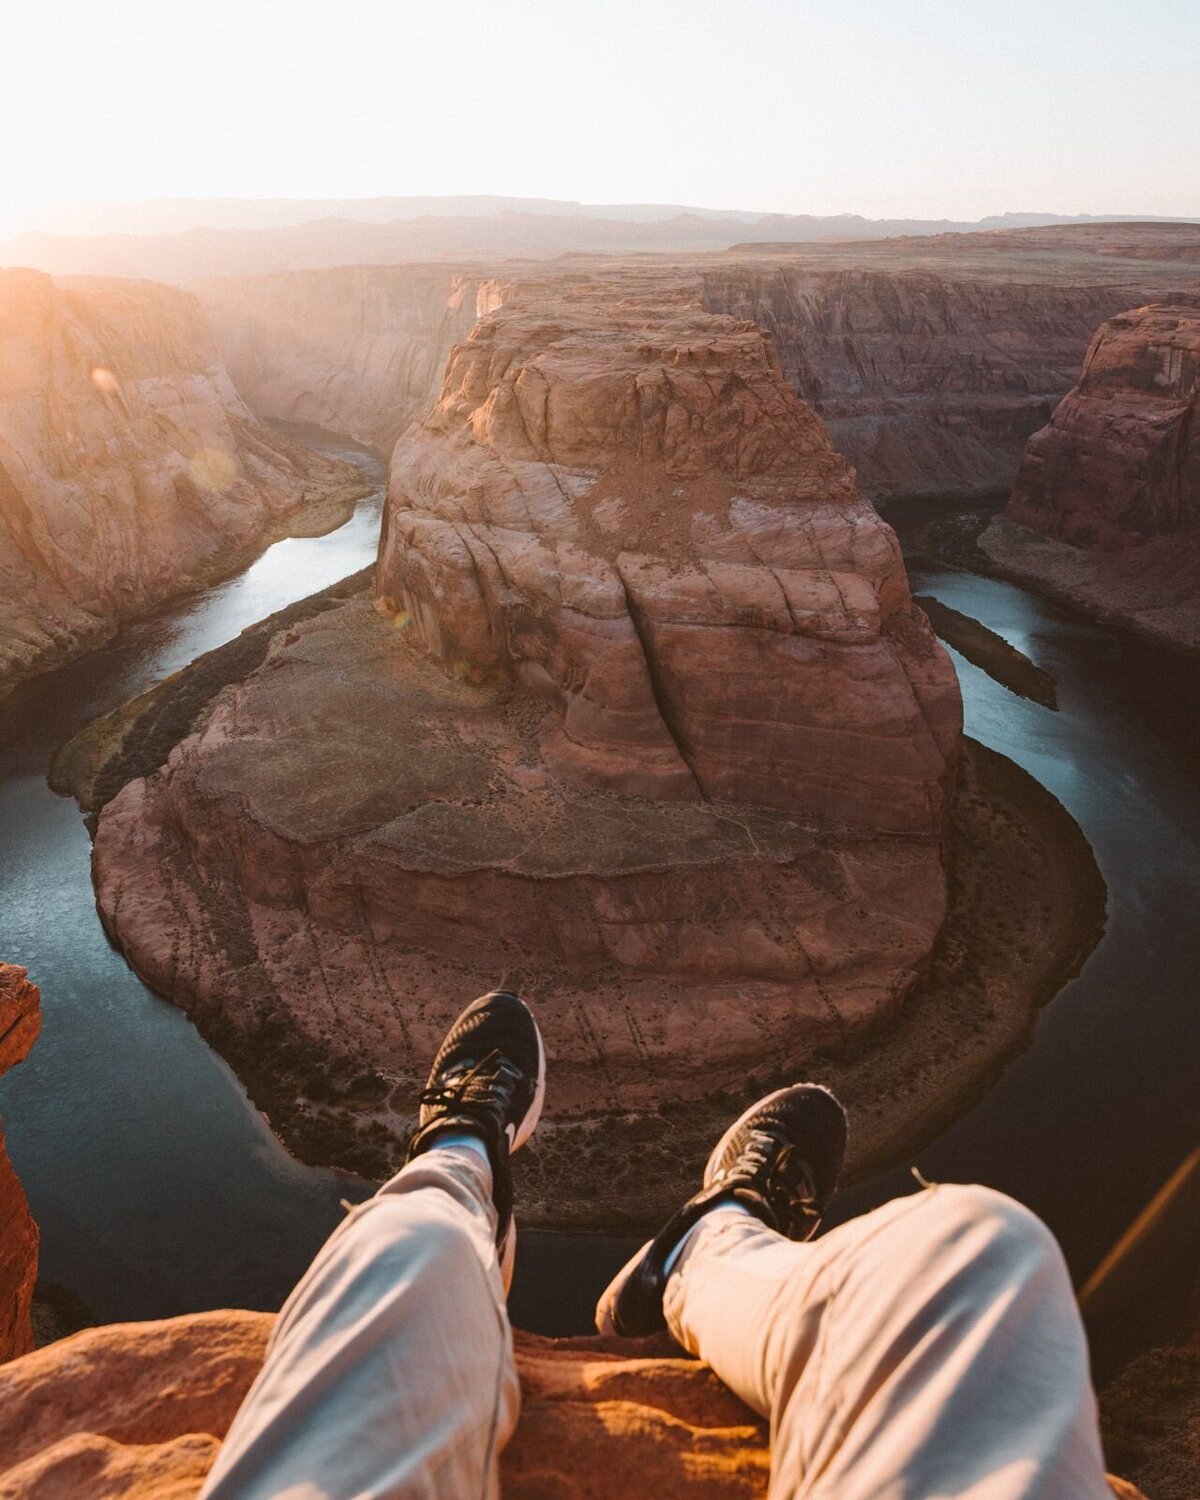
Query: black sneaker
pixel 781 1159
pixel 489 1078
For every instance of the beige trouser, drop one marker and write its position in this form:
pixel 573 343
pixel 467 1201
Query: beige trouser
pixel 929 1349
pixel 390 1372
pixel 925 1351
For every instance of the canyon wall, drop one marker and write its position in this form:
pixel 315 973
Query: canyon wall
pixel 129 467
pixel 1105 512
pixel 929 383
pixel 1119 462
pixel 642 721
pixel 20 1022
pixel 357 349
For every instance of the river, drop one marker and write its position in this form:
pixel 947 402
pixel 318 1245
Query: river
pixel 159 1189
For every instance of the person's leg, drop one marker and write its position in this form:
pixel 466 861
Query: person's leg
pixel 929 1349
pixel 390 1373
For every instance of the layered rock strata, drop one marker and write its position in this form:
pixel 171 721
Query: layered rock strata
pixel 138 1410
pixel 930 384
pixel 356 349
pixel 20 1022
pixel 1119 462
pixel 1106 508
pixel 644 721
pixel 130 468
pixel 930 380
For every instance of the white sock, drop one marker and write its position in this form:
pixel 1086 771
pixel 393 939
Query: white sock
pixel 462 1140
pixel 732 1207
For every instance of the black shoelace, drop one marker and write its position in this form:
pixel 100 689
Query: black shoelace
pixel 488 1084
pixel 781 1174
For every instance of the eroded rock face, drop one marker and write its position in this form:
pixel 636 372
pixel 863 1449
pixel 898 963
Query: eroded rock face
pixel 1119 462
pixel 129 466
pixel 20 1022
pixel 356 349
pixel 629 511
pixel 1106 507
pixel 930 383
pixel 643 722
pixel 138 1410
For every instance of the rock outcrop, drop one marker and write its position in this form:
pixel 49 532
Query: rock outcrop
pixel 130 469
pixel 929 383
pixel 356 349
pixel 644 722
pixel 1106 508
pixel 929 379
pixel 138 1411
pixel 20 1022
pixel 1119 462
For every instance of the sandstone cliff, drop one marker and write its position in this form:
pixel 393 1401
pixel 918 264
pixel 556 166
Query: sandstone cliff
pixel 129 467
pixel 138 1410
pixel 356 349
pixel 645 723
pixel 931 361
pixel 20 1022
pixel 1119 462
pixel 1106 508
pixel 929 383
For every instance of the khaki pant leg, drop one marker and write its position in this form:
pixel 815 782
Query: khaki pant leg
pixel 929 1350
pixel 390 1373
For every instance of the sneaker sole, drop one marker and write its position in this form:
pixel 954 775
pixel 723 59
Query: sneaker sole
pixel 534 1113
pixel 611 1295
pixel 508 1251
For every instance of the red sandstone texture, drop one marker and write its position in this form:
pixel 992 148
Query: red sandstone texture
pixel 20 1022
pixel 930 383
pixel 138 1410
pixel 129 466
pixel 644 722
pixel 1119 463
pixel 1106 509
pixel 931 360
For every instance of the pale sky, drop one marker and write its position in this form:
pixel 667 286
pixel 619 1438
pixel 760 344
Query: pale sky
pixel 927 108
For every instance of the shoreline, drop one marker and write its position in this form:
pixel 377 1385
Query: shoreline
pixel 955 1032
pixel 981 539
pixel 1018 865
pixel 1039 563
pixel 315 517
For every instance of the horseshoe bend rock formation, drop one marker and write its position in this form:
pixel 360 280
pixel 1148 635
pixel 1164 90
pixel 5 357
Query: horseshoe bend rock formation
pixel 129 466
pixel 643 721
pixel 20 1022
pixel 1112 484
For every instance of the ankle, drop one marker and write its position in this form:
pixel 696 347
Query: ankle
pixel 455 1138
pixel 727 1207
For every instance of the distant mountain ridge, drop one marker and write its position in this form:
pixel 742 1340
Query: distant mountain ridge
pixel 181 240
pixel 177 215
